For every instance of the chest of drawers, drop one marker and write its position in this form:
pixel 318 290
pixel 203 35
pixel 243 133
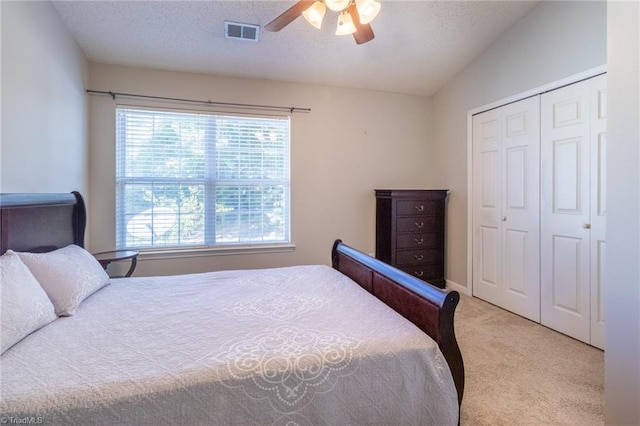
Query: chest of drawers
pixel 410 231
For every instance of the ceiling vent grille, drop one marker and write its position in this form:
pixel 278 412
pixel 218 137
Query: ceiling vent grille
pixel 238 31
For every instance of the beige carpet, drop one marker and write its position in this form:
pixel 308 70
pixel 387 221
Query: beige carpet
pixel 521 373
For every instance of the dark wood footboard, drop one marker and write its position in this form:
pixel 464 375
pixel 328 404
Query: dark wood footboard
pixel 428 307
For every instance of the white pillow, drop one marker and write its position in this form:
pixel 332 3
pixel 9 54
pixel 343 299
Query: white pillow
pixel 68 275
pixel 24 306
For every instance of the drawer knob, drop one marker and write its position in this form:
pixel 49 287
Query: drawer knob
pixel 420 208
pixel 418 273
pixel 419 241
pixel 418 256
pixel 419 225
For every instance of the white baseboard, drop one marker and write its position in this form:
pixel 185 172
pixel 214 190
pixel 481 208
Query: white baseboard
pixel 459 288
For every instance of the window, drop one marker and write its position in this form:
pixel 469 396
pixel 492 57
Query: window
pixel 187 179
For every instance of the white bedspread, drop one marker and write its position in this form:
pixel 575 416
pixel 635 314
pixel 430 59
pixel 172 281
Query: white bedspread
pixel 297 346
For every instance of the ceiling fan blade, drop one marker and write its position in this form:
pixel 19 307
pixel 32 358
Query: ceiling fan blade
pixel 288 16
pixel 363 33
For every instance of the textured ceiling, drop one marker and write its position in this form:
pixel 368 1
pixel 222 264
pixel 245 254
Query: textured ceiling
pixel 419 45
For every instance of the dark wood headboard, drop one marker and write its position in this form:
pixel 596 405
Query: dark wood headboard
pixel 41 222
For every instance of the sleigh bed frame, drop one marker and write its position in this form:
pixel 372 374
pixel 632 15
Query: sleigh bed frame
pixel 45 222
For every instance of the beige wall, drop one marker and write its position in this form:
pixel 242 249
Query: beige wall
pixel 44 106
pixel 554 41
pixel 352 142
pixel 622 291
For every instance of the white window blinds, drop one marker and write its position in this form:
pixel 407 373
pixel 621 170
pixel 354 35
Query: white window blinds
pixel 200 179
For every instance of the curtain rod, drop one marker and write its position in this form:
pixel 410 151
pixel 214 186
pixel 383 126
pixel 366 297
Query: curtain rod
pixel 229 104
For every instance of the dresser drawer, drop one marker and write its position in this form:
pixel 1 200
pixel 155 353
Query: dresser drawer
pixel 419 257
pixel 419 224
pixel 424 272
pixel 419 208
pixel 418 240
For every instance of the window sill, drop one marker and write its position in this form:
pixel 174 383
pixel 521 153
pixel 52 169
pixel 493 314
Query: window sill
pixel 175 253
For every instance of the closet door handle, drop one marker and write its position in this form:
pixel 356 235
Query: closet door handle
pixel 503 218
pixel 586 225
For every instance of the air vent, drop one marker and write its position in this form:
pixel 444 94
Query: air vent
pixel 238 31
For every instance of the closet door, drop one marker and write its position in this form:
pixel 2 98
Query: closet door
pixel 487 241
pixel 506 206
pixel 520 208
pixel 598 205
pixel 565 210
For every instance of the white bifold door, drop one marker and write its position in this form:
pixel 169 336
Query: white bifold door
pixel 538 208
pixel 506 193
pixel 573 208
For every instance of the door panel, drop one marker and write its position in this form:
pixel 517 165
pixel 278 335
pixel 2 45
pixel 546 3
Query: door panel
pixel 506 207
pixel 516 177
pixel 598 205
pixel 520 207
pixel 516 252
pixel 566 262
pixel 489 262
pixel 569 111
pixel 565 195
pixel 489 165
pixel 598 255
pixel 566 179
pixel 486 207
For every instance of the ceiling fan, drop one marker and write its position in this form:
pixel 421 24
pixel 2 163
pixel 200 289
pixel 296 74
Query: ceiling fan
pixel 354 16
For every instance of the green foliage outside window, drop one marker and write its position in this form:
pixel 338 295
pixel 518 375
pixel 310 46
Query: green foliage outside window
pixel 186 179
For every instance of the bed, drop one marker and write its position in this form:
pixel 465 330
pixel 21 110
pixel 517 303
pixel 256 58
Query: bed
pixel 299 345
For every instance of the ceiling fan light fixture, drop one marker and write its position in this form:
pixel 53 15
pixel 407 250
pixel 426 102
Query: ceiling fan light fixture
pixel 367 10
pixel 337 5
pixel 345 24
pixel 315 14
pixel 349 17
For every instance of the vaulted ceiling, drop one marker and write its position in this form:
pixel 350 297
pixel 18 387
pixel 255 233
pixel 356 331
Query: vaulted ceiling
pixel 418 45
